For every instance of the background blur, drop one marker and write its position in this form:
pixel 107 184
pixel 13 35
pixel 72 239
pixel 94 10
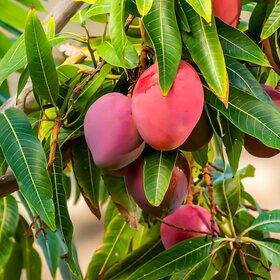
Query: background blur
pixel 265 187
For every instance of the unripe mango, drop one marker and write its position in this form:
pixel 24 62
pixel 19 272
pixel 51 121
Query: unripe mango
pixel 165 122
pixel 110 132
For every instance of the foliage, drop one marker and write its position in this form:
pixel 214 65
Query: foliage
pixel 43 141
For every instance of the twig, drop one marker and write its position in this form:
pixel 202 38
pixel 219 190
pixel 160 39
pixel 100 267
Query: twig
pixel 77 90
pixel 184 228
pixel 191 184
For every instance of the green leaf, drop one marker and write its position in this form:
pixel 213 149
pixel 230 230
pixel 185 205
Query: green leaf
pixel 250 115
pixel 124 48
pixel 161 26
pixel 120 196
pixel 201 155
pixel 88 175
pixel 227 195
pixel 87 96
pixel 13 60
pixel 51 250
pixel 32 3
pixel 115 246
pixel 233 141
pixel 14 265
pixel 5 44
pixel 40 61
pixel 181 17
pixel 268 221
pixel 25 155
pixel 3 164
pixel 240 77
pixel 273 22
pixel 8 225
pixel 144 6
pixel 195 272
pixel 108 53
pixel 271 249
pixel 31 258
pixel 134 260
pixel 12 14
pixel 62 218
pixel 158 167
pixel 99 7
pixel 238 45
pixel 203 8
pixel 182 256
pixel 206 51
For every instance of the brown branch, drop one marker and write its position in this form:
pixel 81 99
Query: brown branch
pixel 77 90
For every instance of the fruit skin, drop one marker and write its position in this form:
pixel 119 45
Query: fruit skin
pixel 253 145
pixel 228 11
pixel 200 136
pixel 186 216
pixel 175 194
pixel 165 122
pixel 110 132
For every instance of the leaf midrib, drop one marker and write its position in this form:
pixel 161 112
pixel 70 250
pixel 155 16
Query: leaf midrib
pixel 27 166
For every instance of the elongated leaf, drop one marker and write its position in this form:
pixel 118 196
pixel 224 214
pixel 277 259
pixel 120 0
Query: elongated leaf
pixel 14 265
pixel 12 14
pixel 40 61
pixel 233 141
pixel 161 26
pixel 88 175
pixel 99 7
pixel 250 115
pixel 271 249
pixel 195 272
pixel 5 44
pixel 3 164
pixel 206 51
pixel 62 218
pixel 267 221
pixel 87 94
pixel 144 6
pixel 31 258
pixel 49 246
pixel 203 8
pixel 134 260
pixel 8 225
pixel 120 196
pixel 227 195
pixel 116 244
pixel 32 3
pixel 26 157
pixel 273 22
pixel 238 45
pixel 182 256
pixel 13 60
pixel 158 167
pixel 181 17
pixel 124 48
pixel 240 77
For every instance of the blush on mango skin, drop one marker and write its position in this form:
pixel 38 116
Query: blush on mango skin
pixel 165 122
pixel 228 11
pixel 253 145
pixel 175 194
pixel 110 132
pixel 188 217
